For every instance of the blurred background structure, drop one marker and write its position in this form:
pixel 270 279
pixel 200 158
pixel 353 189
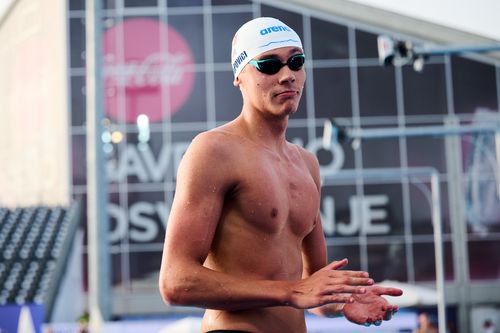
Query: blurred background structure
pixel 166 76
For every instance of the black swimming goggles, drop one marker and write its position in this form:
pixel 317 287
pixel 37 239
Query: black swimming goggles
pixel 272 66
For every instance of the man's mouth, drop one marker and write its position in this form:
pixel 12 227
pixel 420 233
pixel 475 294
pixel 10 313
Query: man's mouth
pixel 287 94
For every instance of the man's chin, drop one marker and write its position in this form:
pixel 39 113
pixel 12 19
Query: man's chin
pixel 291 110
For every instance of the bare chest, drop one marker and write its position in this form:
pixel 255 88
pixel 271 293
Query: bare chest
pixel 277 195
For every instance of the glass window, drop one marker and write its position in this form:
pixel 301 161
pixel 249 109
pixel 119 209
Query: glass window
pixel 301 112
pixel 380 153
pixel 482 208
pixel 387 261
pixel 332 93
pixel 338 215
pixel 143 78
pixel 351 252
pixel 325 157
pixel 298 135
pixel 79 159
pixel 118 276
pixel 425 264
pixel 426 151
pixel 228 100
pixel 230 2
pixel 143 158
pixel 184 3
pixel 224 28
pixel 340 156
pixel 421 209
pixel 193 33
pixel 143 270
pixel 140 3
pixel 118 223
pixel 425 92
pixel 77 42
pixel 377 91
pixel 147 215
pixel 366 44
pixel 194 108
pixel 329 40
pixel 474 85
pixel 384 205
pixel 484 259
pixel 108 4
pixel 76 4
pixel 78 101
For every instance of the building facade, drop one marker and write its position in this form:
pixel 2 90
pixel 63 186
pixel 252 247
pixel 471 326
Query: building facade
pixel 167 77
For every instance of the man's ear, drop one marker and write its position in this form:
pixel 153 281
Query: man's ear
pixel 236 81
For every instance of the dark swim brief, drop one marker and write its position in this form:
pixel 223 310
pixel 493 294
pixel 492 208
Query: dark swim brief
pixel 227 331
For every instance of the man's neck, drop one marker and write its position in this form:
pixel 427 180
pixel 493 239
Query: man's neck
pixel 268 131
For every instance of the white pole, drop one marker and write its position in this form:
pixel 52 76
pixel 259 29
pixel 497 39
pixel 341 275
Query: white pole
pixel 438 251
pixel 99 298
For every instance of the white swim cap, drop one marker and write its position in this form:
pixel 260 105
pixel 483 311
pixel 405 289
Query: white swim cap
pixel 258 36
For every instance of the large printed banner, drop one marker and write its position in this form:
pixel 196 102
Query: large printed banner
pixel 148 70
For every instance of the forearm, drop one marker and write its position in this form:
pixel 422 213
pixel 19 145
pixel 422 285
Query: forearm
pixel 206 288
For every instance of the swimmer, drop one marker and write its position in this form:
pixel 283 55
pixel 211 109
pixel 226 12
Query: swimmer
pixel 244 238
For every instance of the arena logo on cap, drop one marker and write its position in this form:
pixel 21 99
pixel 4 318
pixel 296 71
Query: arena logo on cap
pixel 148 68
pixel 275 28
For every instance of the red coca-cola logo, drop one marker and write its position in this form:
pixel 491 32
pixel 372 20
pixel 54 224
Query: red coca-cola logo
pixel 148 69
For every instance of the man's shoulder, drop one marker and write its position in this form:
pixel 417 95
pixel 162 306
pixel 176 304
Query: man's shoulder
pixel 309 159
pixel 217 143
pixel 306 155
pixel 216 137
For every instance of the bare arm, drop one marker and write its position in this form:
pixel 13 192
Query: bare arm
pixel 314 250
pixel 364 308
pixel 202 183
pixel 205 176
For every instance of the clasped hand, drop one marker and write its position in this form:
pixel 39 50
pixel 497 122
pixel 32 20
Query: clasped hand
pixel 370 307
pixel 364 304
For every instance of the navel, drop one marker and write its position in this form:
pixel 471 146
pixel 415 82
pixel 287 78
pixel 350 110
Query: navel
pixel 274 212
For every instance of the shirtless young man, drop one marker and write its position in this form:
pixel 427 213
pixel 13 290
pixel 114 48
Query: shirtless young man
pixel 244 238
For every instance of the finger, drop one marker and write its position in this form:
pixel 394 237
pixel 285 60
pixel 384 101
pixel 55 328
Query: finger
pixel 351 273
pixel 352 281
pixel 393 308
pixel 390 312
pixel 343 288
pixel 337 298
pixel 355 281
pixel 388 291
pixel 337 264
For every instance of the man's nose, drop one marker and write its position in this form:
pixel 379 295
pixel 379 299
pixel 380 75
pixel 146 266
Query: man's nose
pixel 286 74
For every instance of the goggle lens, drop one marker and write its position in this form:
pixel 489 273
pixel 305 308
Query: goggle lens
pixel 272 65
